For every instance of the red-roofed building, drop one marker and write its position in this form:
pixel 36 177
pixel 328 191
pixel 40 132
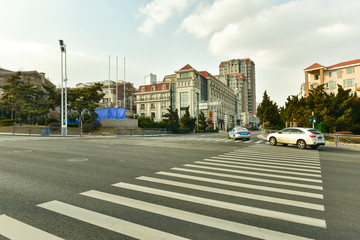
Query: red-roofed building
pixel 153 100
pixel 346 74
pixel 199 91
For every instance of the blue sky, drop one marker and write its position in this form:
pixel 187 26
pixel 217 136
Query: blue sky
pixel 161 36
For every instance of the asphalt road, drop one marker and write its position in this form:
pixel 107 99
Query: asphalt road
pixel 175 187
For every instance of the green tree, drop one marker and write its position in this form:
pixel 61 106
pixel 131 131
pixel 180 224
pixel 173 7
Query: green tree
pixel 187 121
pixel 172 120
pixel 24 100
pixel 81 100
pixel 268 112
pixel 202 122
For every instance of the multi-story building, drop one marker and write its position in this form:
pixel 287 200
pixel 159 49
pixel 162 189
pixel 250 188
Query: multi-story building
pixel 189 88
pixel 247 68
pixel 35 78
pixel 346 74
pixel 114 93
pixel 153 100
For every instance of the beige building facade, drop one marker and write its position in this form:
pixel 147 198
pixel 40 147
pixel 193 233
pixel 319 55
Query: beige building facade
pixel 189 88
pixel 346 74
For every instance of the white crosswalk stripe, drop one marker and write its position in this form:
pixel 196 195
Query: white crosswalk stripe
pixel 226 205
pixel 108 222
pixel 285 183
pixel 10 228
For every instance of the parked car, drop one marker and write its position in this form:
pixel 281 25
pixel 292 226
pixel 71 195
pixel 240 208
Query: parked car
pixel 299 136
pixel 239 133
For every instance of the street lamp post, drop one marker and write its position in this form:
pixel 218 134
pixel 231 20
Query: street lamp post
pixel 63 92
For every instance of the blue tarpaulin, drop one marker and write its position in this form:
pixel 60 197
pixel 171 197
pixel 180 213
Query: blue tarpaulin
pixel 110 113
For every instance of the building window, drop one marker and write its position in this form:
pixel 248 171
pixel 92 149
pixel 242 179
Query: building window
pixel 143 89
pixel 153 97
pixel 313 86
pixel 152 106
pixel 330 85
pixel 186 74
pixel 317 77
pixel 142 114
pixel 142 97
pixel 142 106
pixel 153 88
pixel 152 115
pixel 332 74
pixel 184 99
pixel 349 82
pixel 163 96
pixel 163 87
pixel 163 105
pixel 350 70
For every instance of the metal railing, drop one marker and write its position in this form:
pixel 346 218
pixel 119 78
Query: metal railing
pixel 343 139
pixel 44 131
pixel 143 132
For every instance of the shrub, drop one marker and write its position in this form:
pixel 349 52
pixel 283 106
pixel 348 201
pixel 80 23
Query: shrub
pixel 87 127
pixel 96 125
pixel 54 125
pixel 183 130
pixel 7 122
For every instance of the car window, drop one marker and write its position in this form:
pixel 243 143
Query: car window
pixel 285 131
pixel 314 131
pixel 296 131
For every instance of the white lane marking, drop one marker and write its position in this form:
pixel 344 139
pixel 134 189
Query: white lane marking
pixel 225 205
pixel 225 225
pixel 270 161
pixel 14 229
pixel 229 140
pixel 273 189
pixel 255 173
pixel 262 180
pixel 279 151
pixel 266 152
pixel 259 141
pixel 108 222
pixel 266 156
pixel 259 169
pixel 267 162
pixel 236 193
pixel 261 165
pixel 249 141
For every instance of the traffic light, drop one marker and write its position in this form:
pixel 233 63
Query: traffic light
pixel 314 119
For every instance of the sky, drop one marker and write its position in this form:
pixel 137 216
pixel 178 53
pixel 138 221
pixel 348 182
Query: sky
pixel 282 37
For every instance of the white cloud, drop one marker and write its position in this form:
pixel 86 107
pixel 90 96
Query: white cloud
pixel 158 11
pixel 209 18
pixel 282 37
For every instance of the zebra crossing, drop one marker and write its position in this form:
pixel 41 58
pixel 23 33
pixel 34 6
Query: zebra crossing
pixel 285 187
pixel 223 139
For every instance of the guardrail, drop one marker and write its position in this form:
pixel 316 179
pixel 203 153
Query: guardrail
pixel 342 139
pixel 143 132
pixel 44 131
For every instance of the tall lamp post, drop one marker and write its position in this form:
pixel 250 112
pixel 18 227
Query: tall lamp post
pixel 63 92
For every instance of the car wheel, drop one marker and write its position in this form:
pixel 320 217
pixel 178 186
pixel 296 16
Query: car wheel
pixel 314 147
pixel 229 136
pixel 272 141
pixel 301 144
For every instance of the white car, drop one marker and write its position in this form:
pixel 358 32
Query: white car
pixel 299 136
pixel 239 133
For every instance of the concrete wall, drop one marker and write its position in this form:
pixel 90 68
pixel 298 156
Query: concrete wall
pixel 126 123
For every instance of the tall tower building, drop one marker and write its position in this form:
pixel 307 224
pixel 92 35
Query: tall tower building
pixel 247 68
